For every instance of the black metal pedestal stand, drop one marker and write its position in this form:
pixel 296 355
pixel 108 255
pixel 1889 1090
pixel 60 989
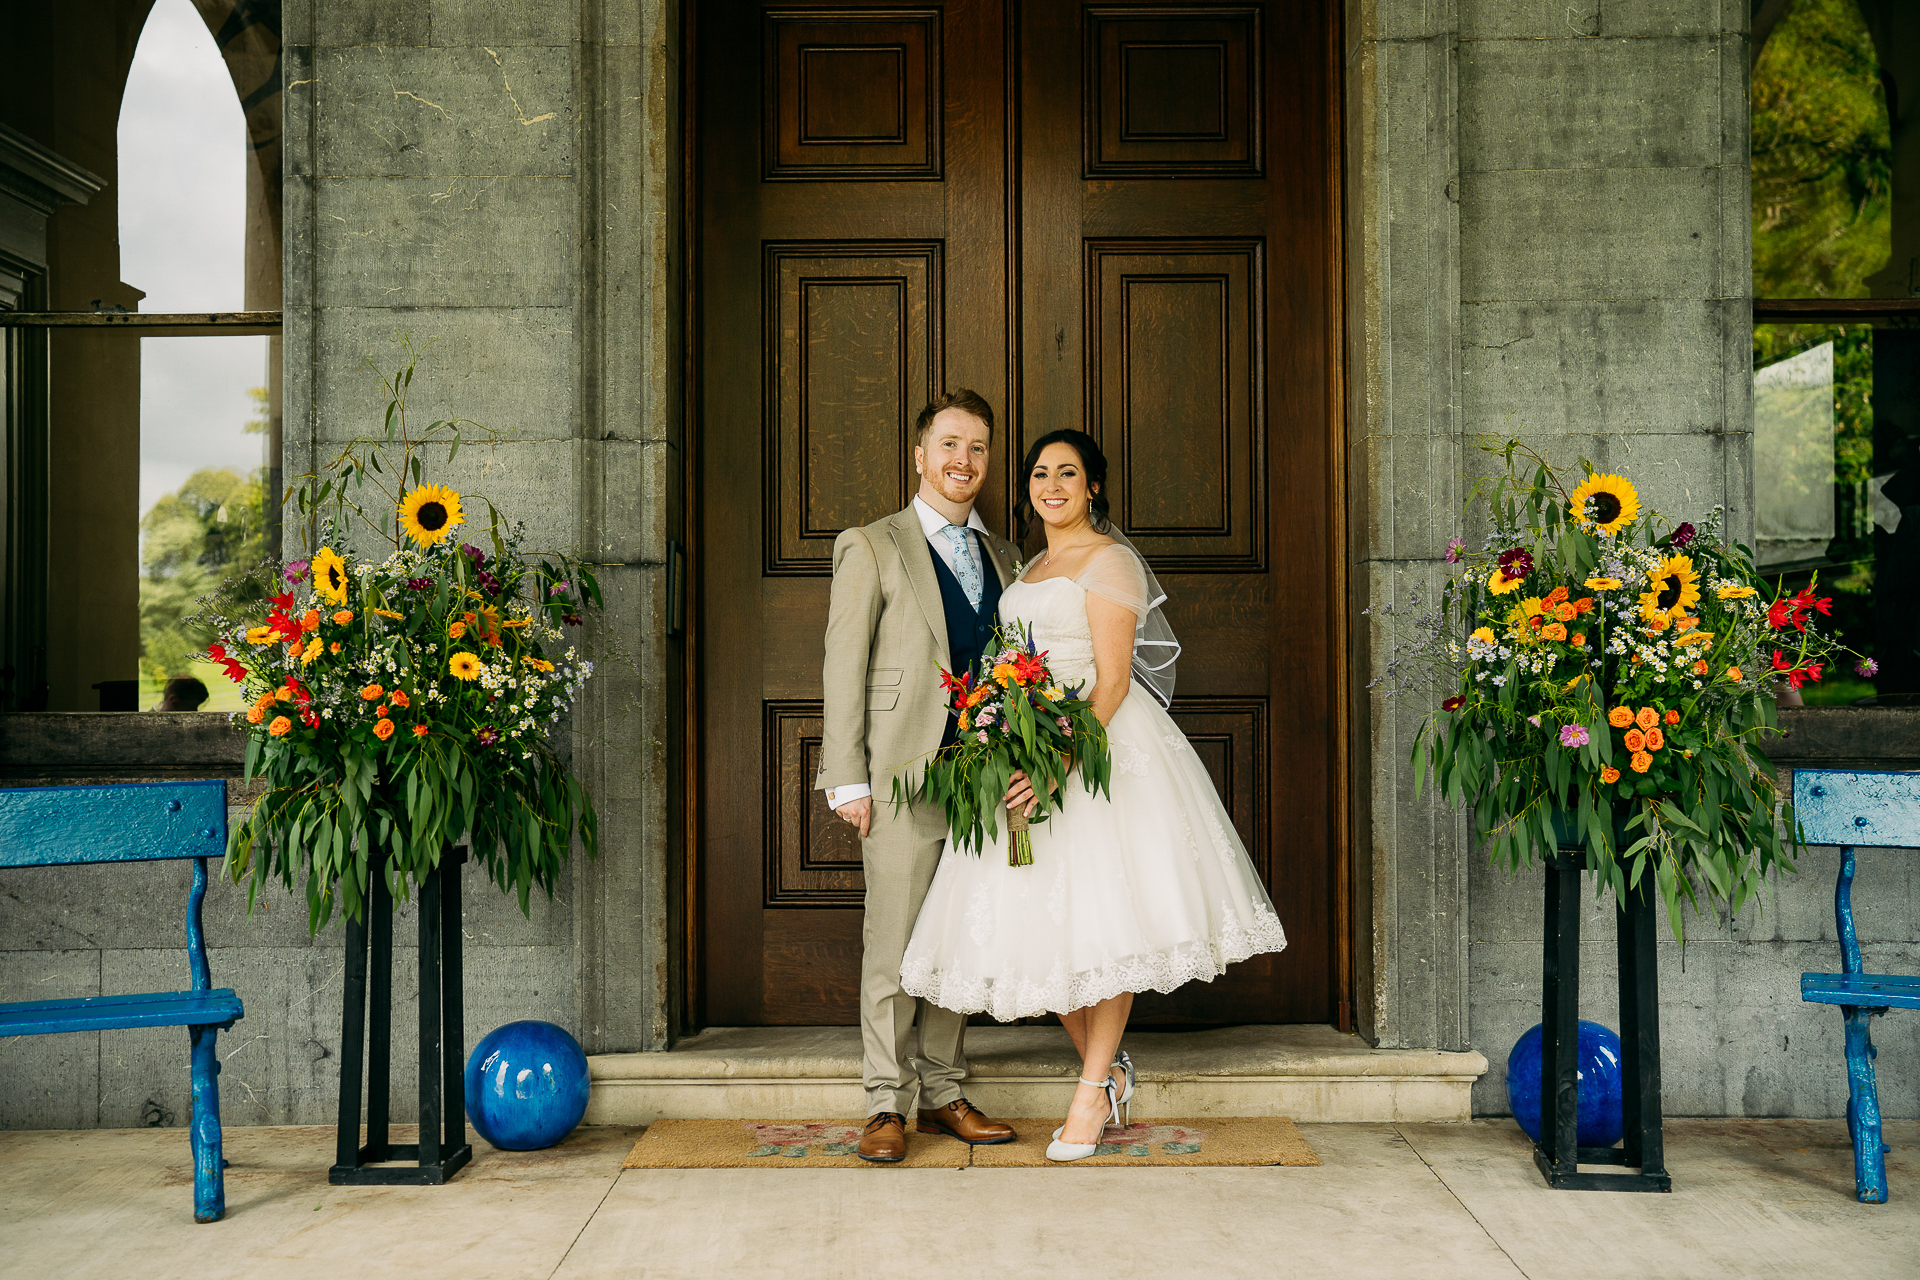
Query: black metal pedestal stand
pixel 441 1151
pixel 1558 1153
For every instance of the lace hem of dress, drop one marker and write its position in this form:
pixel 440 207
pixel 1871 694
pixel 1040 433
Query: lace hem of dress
pixel 1006 999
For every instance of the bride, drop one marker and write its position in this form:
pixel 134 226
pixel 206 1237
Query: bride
pixel 1144 891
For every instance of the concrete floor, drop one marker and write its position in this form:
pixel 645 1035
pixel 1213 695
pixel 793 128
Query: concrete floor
pixel 1754 1198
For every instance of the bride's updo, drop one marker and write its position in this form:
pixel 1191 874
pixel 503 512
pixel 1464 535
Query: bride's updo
pixel 1093 464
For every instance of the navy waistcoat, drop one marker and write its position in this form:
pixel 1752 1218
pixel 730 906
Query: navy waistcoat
pixel 968 629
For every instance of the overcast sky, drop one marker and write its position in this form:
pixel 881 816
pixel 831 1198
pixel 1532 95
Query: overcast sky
pixel 183 198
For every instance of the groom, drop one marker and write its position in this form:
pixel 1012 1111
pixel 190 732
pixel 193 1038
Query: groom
pixel 912 593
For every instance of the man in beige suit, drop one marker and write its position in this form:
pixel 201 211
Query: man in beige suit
pixel 913 593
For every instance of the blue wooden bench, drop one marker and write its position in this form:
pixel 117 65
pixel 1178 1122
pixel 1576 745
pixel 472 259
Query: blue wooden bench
pixel 136 822
pixel 1873 810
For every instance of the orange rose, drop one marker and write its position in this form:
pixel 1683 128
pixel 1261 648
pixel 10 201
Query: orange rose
pixel 310 621
pixel 283 694
pixel 334 647
pixel 380 710
pixel 1699 669
pixel 1620 717
pixel 1684 623
pixel 1554 631
pixel 1609 775
pixel 383 729
pixel 343 617
pixel 1554 597
pixel 400 698
pixel 372 693
pixel 419 731
pixel 1641 762
pixel 1636 740
pixel 1673 717
pixel 1583 606
pixel 280 727
pixel 1655 739
pixel 457 630
pixel 255 715
pixel 1578 640
pixel 1733 673
pixel 1659 624
pixel 1647 718
pixel 1565 612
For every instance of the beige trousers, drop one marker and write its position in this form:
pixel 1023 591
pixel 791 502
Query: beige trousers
pixel 900 855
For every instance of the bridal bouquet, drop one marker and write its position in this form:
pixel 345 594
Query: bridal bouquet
pixel 1013 716
pixel 1608 672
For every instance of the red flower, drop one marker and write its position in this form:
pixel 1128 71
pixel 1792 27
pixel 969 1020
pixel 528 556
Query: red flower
pixel 1029 667
pixel 283 601
pixel 1454 703
pixel 1517 563
pixel 1779 613
pixel 235 672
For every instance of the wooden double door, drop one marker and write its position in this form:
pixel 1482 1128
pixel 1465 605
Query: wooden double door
pixel 1118 218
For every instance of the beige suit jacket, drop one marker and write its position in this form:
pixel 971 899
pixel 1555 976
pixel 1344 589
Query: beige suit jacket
pixel 886 645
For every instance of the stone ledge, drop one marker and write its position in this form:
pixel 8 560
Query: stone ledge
pixel 1311 1073
pixel 120 745
pixel 1846 738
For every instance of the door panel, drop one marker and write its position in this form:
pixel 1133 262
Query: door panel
pixel 1111 217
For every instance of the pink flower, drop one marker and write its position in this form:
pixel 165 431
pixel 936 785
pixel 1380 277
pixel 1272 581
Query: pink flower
pixel 1534 721
pixel 982 735
pixel 1572 735
pixel 1454 548
pixel 296 571
pixel 1867 667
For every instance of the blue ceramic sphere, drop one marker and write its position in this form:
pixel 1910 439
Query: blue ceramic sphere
pixel 526 1085
pixel 1602 1075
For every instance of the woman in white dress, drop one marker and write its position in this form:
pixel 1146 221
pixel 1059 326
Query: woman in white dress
pixel 1143 891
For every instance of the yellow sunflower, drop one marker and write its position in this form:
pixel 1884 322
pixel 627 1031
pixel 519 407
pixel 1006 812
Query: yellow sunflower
pixel 330 576
pixel 1483 634
pixel 538 664
pixel 1612 501
pixel 428 514
pixel 1602 584
pixel 1522 614
pixel 1500 584
pixel 1674 588
pixel 463 666
pixel 1735 593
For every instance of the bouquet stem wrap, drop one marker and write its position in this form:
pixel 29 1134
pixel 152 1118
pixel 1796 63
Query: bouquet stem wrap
pixel 1019 837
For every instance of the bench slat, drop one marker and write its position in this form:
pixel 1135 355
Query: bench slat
pixel 1863 990
pixel 109 1013
pixel 119 822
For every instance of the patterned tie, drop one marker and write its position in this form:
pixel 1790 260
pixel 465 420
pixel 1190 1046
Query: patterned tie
pixel 963 566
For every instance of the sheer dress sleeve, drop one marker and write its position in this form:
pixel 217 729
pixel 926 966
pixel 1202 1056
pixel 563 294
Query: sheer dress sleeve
pixel 1114 574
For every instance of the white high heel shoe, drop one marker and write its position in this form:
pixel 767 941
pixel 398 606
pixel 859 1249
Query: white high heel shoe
pixel 1125 1063
pixel 1064 1151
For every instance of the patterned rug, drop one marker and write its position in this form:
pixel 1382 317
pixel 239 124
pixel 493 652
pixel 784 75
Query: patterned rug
pixel 832 1144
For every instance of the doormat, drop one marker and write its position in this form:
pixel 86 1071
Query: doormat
pixel 832 1144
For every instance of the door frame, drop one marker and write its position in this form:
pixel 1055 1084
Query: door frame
pixel 1338 607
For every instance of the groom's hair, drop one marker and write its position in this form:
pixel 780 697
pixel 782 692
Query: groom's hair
pixel 959 398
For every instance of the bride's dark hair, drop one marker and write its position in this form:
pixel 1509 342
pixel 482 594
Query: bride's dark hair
pixel 1093 464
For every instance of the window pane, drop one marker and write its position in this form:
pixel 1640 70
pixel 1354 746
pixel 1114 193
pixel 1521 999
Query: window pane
pixel 1823 184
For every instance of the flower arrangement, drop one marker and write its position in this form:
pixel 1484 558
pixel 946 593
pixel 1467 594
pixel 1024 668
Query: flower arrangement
pixel 402 702
pixel 1013 715
pixel 1611 668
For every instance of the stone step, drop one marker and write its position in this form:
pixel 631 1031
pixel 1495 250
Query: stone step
pixel 1310 1073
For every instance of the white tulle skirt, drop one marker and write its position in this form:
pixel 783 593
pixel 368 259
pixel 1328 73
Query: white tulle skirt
pixel 1145 891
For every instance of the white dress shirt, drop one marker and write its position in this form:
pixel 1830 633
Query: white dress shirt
pixel 932 522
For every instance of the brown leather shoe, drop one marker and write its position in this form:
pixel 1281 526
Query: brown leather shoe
pixel 961 1119
pixel 885 1138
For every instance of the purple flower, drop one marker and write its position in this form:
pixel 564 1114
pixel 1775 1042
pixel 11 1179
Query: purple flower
pixel 1572 735
pixel 419 584
pixel 487 736
pixel 1517 563
pixel 473 553
pixel 1682 534
pixel 488 583
pixel 571 619
pixel 296 571
pixel 1867 667
pixel 1534 721
pixel 1454 549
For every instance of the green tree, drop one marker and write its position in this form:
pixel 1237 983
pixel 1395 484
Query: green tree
pixel 209 535
pixel 1822 157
